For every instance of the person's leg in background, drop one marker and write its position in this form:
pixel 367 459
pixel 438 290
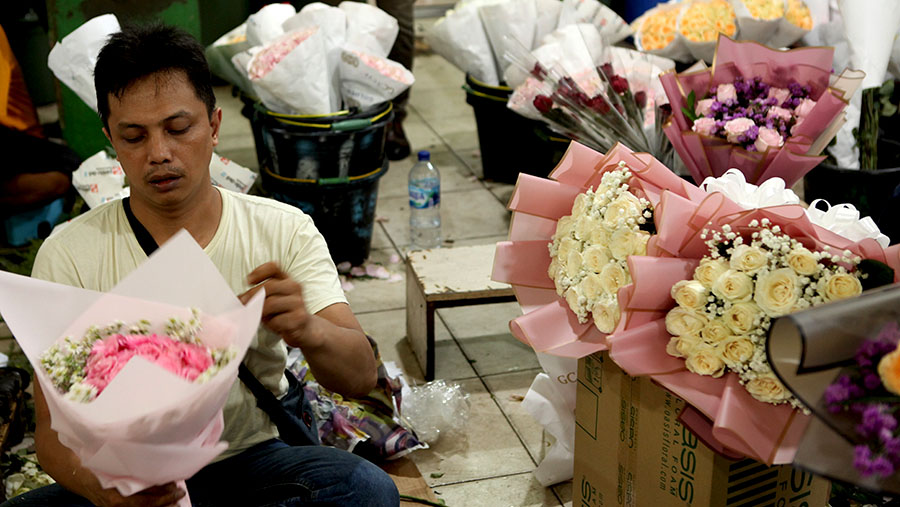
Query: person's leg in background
pixel 396 145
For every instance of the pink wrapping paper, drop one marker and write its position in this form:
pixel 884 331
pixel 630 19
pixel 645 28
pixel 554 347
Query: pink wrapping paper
pixel 149 426
pixel 537 203
pixel 706 156
pixel 722 412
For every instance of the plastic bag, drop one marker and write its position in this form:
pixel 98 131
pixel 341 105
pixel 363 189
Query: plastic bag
pixel 436 408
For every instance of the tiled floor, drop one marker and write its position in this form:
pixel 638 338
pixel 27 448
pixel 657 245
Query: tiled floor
pixel 492 465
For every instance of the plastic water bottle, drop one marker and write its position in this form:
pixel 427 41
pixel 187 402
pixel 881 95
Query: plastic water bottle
pixel 424 204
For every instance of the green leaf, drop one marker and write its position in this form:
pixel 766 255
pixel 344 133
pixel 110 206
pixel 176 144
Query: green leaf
pixel 887 89
pixel 437 475
pixel 888 109
pixel 689 107
pixel 878 274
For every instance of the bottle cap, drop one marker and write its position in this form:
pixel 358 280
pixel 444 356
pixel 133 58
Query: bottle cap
pixel 424 155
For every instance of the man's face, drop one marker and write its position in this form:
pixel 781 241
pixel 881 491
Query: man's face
pixel 164 139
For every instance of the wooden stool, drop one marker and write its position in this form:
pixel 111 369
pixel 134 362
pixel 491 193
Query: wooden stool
pixel 444 278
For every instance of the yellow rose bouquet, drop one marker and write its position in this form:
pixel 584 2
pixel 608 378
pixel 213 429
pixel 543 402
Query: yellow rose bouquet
pixel 717 273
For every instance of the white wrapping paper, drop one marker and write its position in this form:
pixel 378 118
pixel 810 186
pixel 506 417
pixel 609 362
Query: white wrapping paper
pixel 512 19
pixel 364 85
pixel 265 25
pixel 870 27
pixel 72 60
pixel 219 54
pixel 333 23
pixel 227 173
pixel 299 83
pixel 149 426
pixel 370 28
pixel 551 402
pixel 547 18
pixel 99 179
pixel 460 38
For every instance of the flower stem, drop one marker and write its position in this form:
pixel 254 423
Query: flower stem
pixel 868 130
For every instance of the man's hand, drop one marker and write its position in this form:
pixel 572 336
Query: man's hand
pixel 167 495
pixel 283 311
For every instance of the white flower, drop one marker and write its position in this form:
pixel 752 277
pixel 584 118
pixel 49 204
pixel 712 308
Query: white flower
pixel 576 302
pixel 595 257
pixel 709 271
pixel 584 228
pixel 802 261
pixel 736 351
pixel 682 321
pixel 553 269
pixel 573 263
pixel 681 346
pixel 777 292
pixel 624 207
pixel 839 286
pixel 621 244
pixel 606 315
pixel 705 360
pixel 582 203
pixel 690 294
pixel 612 277
pixel 767 388
pixel 591 287
pixel 748 259
pixel 715 331
pixel 741 317
pixel 733 286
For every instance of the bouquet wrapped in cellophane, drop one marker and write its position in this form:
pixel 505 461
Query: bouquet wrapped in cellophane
pixel 591 92
pixel 842 361
pixel 138 408
pixel 702 301
pixel 766 112
pixel 569 239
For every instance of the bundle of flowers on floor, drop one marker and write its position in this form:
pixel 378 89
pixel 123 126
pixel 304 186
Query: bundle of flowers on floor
pixel 766 112
pixel 569 238
pixel 591 92
pixel 140 404
pixel 715 276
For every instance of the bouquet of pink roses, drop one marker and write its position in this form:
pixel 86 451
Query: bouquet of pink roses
pixel 138 409
pixel 766 112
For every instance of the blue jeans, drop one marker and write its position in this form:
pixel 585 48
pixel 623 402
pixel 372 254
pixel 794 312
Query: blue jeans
pixel 270 474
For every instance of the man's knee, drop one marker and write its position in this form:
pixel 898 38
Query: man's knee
pixel 374 486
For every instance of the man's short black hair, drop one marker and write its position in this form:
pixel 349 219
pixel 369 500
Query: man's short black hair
pixel 143 50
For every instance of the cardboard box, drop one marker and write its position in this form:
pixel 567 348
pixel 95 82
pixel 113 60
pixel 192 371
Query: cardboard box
pixel 630 450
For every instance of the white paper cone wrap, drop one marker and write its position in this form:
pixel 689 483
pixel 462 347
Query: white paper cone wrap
pixel 370 28
pixel 870 27
pixel 460 38
pixel 547 18
pixel 362 85
pixel 72 60
pixel 265 25
pixel 750 28
pixel 513 19
pixel 300 80
pixel 332 21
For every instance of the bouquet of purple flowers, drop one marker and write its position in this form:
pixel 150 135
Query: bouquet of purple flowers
pixel 750 113
pixel 868 391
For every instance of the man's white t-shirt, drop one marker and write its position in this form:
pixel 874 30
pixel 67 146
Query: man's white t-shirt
pixel 99 248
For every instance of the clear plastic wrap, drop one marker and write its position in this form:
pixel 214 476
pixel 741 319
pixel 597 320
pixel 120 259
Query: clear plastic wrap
pixel 435 409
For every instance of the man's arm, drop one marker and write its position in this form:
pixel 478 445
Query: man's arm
pixel 332 341
pixel 64 466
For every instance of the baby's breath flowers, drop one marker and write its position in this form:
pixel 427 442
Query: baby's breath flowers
pixel 82 368
pixel 722 315
pixel 591 245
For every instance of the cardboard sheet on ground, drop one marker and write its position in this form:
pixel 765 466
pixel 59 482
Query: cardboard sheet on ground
pixel 149 426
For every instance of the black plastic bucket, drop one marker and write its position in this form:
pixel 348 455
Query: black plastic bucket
pixel 311 147
pixel 509 142
pixel 343 209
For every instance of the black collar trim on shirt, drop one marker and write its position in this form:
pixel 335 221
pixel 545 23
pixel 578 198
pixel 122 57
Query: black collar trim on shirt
pixel 140 232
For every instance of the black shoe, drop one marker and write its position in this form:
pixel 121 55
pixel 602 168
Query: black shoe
pixel 396 146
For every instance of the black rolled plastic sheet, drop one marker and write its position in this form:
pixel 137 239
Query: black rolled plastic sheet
pixel 808 350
